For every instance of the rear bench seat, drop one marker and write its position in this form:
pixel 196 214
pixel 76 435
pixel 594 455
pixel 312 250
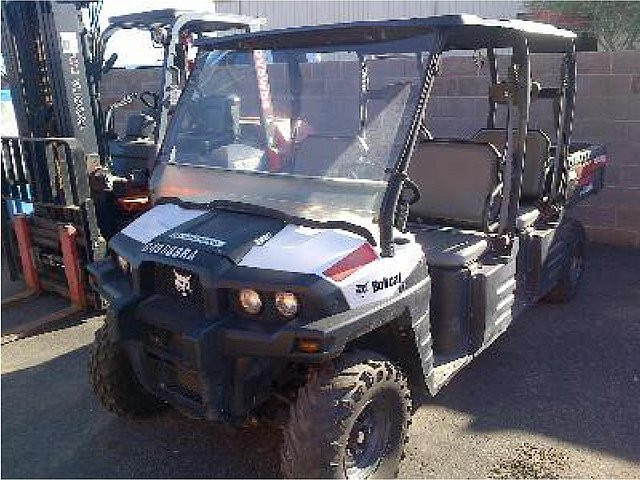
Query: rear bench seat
pixel 536 165
pixel 458 182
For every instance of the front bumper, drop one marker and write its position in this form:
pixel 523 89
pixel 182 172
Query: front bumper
pixel 218 368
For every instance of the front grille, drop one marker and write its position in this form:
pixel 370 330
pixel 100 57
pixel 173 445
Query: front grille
pixel 179 284
pixel 180 381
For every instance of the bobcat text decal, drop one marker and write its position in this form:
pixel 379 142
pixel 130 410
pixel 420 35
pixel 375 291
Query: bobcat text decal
pixel 386 282
pixel 363 289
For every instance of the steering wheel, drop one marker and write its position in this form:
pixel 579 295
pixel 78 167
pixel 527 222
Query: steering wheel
pixel 149 99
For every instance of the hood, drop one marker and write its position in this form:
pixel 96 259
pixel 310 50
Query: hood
pixel 172 231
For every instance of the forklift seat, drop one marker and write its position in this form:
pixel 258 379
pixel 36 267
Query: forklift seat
pixel 457 182
pixel 140 126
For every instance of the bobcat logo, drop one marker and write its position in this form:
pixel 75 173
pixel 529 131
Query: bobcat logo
pixel 362 288
pixel 182 284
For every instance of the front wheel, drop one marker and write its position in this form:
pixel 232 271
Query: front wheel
pixel 114 381
pixel 349 421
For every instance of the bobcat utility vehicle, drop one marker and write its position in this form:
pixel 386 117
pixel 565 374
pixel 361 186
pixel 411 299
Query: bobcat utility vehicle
pixel 313 252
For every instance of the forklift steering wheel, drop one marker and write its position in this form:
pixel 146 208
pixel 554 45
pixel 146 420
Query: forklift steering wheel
pixel 149 99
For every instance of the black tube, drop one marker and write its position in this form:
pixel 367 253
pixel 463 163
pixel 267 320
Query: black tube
pixel 398 172
pixel 493 73
pixel 522 99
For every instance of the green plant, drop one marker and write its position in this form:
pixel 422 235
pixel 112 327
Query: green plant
pixel 615 24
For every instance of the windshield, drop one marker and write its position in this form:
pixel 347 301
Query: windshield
pixel 308 133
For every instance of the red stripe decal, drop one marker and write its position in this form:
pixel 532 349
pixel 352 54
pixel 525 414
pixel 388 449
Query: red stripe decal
pixel 357 259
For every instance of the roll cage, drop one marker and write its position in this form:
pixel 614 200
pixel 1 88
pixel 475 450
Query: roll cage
pixel 168 28
pixel 454 32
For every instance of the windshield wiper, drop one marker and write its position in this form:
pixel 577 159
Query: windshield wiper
pixel 241 207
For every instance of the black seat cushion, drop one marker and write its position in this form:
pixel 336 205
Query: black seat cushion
pixel 450 247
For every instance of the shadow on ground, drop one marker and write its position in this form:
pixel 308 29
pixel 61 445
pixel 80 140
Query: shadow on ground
pixel 53 427
pixel 569 371
pixel 566 371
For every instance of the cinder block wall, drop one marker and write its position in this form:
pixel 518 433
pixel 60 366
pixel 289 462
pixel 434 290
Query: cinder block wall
pixel 607 111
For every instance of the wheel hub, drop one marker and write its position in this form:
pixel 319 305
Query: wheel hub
pixel 368 440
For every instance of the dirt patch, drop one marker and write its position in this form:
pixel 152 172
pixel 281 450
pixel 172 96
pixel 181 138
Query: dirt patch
pixel 531 461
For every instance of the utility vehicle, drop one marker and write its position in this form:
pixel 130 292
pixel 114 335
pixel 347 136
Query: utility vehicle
pixel 313 251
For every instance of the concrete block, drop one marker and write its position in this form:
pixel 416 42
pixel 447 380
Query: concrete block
pixel 603 85
pixel 472 86
pixel 546 64
pixel 455 65
pixel 625 62
pixel 615 197
pixel 594 62
pixel 452 106
pixel 594 215
pixel 624 153
pixel 630 176
pixel 612 175
pixel 455 127
pixel 611 236
pixel 628 217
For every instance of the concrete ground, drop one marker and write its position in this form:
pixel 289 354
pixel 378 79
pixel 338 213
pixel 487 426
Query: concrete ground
pixel 557 396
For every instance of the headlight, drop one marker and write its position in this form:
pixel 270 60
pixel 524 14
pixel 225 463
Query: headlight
pixel 287 304
pixel 250 301
pixel 123 264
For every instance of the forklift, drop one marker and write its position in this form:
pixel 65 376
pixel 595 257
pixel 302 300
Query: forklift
pixel 69 181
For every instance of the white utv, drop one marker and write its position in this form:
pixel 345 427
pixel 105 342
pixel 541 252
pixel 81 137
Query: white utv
pixel 313 251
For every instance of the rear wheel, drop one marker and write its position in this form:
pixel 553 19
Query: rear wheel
pixel 114 381
pixel 573 270
pixel 349 421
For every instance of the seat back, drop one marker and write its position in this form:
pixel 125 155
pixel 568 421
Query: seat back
pixel 456 182
pixel 536 161
pixel 140 125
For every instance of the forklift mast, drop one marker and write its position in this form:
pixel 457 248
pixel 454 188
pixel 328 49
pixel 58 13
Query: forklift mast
pixel 46 169
pixel 46 51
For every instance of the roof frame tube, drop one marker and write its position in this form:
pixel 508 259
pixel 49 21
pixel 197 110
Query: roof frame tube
pixel 565 124
pixel 519 104
pixel 493 77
